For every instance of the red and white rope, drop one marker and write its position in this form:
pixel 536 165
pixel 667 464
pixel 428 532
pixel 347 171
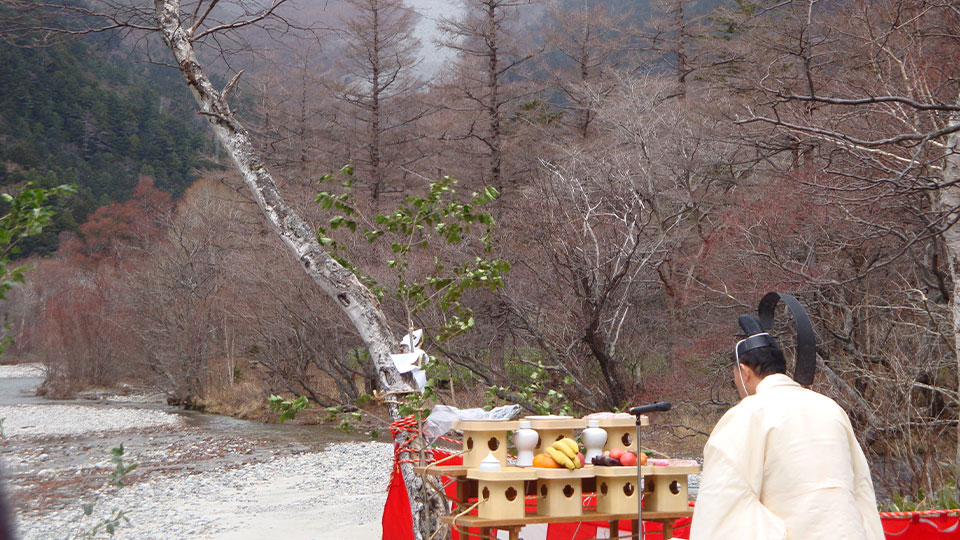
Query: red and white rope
pixel 918 513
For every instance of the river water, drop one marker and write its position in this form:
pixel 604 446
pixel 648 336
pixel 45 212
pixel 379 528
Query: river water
pixel 22 391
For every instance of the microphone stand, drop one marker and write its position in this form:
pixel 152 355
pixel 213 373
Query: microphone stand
pixel 642 421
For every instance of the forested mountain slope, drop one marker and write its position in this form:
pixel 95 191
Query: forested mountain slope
pixel 80 112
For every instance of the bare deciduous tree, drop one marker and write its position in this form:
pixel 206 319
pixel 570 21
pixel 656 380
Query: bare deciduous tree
pixel 615 209
pixel 378 83
pixel 849 101
pixel 487 41
pixel 592 43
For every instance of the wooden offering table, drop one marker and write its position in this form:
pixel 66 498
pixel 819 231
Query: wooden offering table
pixel 502 492
pixel 467 489
pixel 665 488
pixel 513 526
pixel 559 491
pixel 492 495
pixel 554 428
pixel 480 437
pixel 621 432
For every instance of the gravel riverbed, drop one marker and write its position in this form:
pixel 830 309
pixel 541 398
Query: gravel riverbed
pixel 325 495
pixel 48 420
pixel 205 482
pixel 21 370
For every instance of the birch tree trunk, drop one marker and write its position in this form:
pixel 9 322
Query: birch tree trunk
pixel 340 284
pixel 950 204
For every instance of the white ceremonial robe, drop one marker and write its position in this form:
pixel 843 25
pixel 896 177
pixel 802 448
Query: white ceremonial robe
pixel 784 464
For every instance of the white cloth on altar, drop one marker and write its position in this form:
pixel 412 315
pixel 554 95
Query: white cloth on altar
pixel 784 464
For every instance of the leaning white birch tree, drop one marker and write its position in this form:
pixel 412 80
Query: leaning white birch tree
pixel 214 23
pixel 356 301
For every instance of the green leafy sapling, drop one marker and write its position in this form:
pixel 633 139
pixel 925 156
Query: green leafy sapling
pixel 288 409
pixel 108 526
pixel 22 215
pixel 421 224
pixel 120 470
pixel 534 391
pixel 416 231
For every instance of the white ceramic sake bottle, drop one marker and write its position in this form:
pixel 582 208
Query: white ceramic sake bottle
pixel 525 440
pixel 594 437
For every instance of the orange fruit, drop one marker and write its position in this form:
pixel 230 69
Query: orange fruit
pixel 544 461
pixel 643 458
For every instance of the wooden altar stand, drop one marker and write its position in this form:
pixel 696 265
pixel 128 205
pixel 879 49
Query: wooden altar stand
pixel 513 526
pixel 466 489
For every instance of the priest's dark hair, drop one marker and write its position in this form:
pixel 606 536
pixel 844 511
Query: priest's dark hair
pixel 765 361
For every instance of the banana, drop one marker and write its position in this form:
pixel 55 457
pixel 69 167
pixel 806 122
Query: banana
pixel 562 448
pixel 572 445
pixel 560 458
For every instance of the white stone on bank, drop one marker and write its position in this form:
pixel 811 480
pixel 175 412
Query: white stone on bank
pixel 22 370
pixel 47 420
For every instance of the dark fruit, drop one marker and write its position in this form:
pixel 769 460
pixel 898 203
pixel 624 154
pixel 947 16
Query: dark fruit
pixel 606 461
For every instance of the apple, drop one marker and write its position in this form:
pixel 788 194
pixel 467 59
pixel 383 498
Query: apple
pixel 583 460
pixel 616 453
pixel 628 459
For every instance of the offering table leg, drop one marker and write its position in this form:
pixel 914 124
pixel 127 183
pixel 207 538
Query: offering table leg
pixel 462 493
pixel 615 529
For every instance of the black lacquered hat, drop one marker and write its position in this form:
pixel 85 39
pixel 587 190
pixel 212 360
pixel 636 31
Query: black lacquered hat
pixel 756 334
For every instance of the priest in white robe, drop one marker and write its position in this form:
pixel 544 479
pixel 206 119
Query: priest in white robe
pixel 783 464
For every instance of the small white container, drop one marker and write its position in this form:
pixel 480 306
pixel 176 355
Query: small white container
pixel 594 437
pixel 525 440
pixel 490 463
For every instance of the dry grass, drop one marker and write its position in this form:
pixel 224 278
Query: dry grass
pixel 242 399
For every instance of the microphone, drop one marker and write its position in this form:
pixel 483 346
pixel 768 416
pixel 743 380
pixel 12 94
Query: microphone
pixel 653 407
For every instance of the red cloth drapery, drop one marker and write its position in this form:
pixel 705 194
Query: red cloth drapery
pixel 929 525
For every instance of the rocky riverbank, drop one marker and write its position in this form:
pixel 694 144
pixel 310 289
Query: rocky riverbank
pixel 206 481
